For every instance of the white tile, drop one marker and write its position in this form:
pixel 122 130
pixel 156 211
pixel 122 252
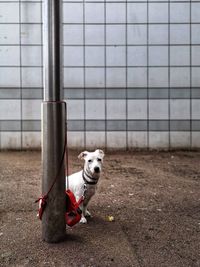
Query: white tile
pixel 115 13
pixel 73 34
pixel 195 109
pixel 195 139
pixel 137 109
pixel 179 55
pixel 179 34
pixel 116 140
pixel 31 109
pixel 195 55
pixel 31 34
pixel 94 56
pixel 195 12
pixel 10 109
pixel 179 12
pixel 31 140
pixel 137 34
pixel 180 139
pixel 95 140
pixel 70 77
pixel 73 56
pixel 9 34
pixel 115 34
pixel 158 55
pixel 195 77
pixel 180 109
pixel 158 77
pixel 137 55
pixel 31 12
pixel 195 34
pixel 72 12
pixel 95 109
pixel 5 77
pixel 158 140
pixel 179 77
pixel 94 34
pixel 158 34
pixel 137 140
pixel 75 140
pixel 116 109
pixel 75 109
pixel 158 12
pixel 10 140
pixel 116 77
pixel 9 56
pixel 158 109
pixel 32 77
pixel 137 77
pixel 115 56
pixel 9 12
pixel 137 12
pixel 94 12
pixel 95 77
pixel 31 55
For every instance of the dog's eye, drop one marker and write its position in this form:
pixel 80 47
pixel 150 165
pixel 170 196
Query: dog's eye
pixel 89 160
pixel 98 159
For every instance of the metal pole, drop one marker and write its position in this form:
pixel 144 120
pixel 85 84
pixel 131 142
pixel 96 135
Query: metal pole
pixel 53 124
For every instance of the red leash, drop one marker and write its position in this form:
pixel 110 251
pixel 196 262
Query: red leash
pixel 43 199
pixel 73 212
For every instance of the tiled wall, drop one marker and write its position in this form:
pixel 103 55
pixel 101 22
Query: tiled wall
pixel 131 73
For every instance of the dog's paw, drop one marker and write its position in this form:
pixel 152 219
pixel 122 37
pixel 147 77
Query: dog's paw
pixel 88 214
pixel 83 220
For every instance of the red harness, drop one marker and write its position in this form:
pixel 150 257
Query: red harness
pixel 73 211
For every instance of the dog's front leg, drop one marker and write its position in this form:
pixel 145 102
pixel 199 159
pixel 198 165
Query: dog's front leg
pixel 82 207
pixel 87 213
pixel 83 219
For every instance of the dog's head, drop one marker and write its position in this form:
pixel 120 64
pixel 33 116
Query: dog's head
pixel 93 161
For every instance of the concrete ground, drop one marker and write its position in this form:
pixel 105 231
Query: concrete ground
pixel 154 198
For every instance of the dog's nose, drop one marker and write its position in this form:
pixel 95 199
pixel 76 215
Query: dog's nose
pixel 97 169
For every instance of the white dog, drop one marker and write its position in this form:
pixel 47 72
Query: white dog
pixel 84 183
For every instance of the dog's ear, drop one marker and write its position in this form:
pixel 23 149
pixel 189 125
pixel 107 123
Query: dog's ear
pixel 82 155
pixel 100 152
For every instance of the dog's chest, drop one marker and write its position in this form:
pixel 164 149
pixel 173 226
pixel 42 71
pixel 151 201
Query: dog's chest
pixel 89 192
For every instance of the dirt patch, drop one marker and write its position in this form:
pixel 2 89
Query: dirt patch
pixel 153 196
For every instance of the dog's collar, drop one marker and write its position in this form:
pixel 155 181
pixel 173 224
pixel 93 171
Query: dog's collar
pixel 92 180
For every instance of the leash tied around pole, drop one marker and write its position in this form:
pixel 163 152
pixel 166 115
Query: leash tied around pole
pixel 73 212
pixel 43 199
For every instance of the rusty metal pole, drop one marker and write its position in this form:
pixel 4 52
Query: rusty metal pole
pixel 53 124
